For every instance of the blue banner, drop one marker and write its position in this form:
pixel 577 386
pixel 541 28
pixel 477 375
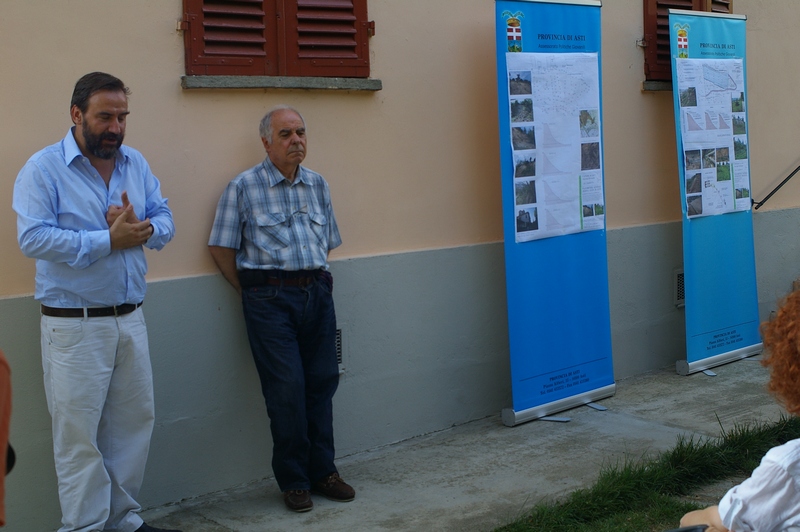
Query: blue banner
pixel 709 73
pixel 550 116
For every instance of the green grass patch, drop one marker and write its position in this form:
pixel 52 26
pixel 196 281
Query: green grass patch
pixel 645 494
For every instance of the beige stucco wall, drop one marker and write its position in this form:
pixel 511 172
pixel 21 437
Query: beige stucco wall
pixel 773 78
pixel 414 166
pixel 639 133
pixel 411 167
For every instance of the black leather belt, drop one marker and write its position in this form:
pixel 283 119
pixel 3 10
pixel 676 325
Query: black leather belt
pixel 249 278
pixel 91 312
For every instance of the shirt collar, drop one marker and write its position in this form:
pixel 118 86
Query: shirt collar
pixel 72 151
pixel 274 176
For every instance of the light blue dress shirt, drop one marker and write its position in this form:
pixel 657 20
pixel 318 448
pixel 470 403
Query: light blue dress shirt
pixel 61 204
pixel 275 224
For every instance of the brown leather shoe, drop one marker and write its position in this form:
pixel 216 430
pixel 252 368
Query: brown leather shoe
pixel 298 500
pixel 334 488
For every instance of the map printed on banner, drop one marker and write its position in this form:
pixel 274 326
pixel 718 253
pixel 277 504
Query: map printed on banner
pixel 714 133
pixel 554 102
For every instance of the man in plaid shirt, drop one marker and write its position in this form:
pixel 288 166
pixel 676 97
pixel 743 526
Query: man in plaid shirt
pixel 272 232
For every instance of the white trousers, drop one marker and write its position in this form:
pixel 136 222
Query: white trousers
pixel 99 387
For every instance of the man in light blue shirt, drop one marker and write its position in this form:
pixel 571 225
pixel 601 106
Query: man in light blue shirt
pixel 86 208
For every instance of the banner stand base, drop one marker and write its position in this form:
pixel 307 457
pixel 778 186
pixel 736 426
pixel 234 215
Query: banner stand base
pixel 511 417
pixel 684 367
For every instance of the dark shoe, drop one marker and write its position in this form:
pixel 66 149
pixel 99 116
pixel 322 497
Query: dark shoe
pixel 298 500
pixel 147 528
pixel 334 488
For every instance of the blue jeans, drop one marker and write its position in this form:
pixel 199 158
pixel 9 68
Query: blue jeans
pixel 292 333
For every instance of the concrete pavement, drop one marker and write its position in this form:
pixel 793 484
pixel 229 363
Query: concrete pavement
pixel 482 475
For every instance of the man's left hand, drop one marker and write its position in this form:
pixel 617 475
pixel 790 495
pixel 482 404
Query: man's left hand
pixel 115 210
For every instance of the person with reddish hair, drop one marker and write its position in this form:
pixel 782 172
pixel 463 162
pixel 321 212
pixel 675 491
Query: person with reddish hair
pixel 770 499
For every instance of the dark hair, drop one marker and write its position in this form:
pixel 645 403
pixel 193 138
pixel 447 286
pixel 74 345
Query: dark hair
pixel 92 83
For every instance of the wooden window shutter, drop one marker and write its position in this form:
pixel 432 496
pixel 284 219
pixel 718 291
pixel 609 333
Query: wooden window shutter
pixel 720 6
pixel 230 37
pixel 327 38
pixel 657 66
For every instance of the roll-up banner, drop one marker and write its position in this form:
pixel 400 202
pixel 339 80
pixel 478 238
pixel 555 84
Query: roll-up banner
pixel 709 80
pixel 551 151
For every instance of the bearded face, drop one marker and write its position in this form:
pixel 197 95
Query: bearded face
pixel 103 145
pixel 101 127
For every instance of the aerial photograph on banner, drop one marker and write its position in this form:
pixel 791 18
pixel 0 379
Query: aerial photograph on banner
pixel 554 110
pixel 714 134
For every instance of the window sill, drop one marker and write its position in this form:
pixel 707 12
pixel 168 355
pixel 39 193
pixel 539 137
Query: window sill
pixel 280 82
pixel 657 86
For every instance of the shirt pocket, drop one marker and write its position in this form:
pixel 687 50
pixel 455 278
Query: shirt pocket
pixel 319 225
pixel 273 231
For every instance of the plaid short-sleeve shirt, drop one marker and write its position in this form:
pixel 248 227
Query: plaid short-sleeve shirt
pixel 274 223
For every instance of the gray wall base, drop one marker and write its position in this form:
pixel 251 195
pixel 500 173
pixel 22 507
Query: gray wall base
pixel 425 337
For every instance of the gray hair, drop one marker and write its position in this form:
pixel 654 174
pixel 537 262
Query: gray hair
pixel 265 127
